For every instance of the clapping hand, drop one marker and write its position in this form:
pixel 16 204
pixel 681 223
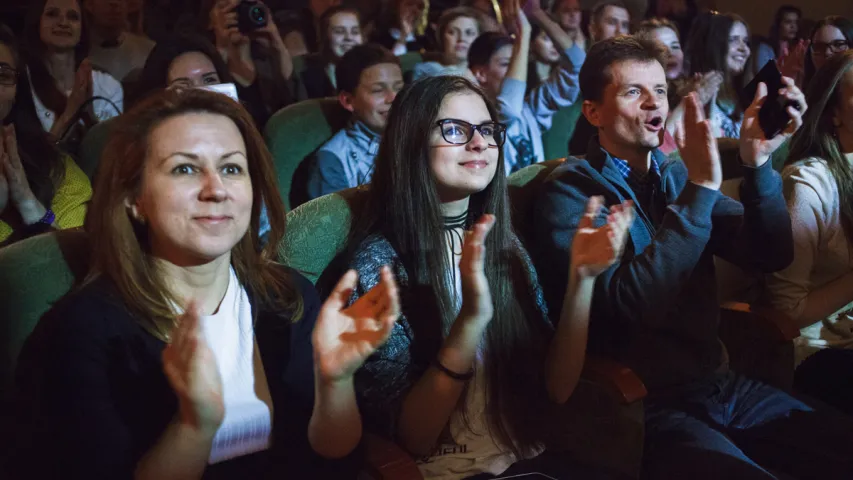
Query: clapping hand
pixel 755 148
pixel 476 296
pixel 192 371
pixel 698 146
pixel 344 337
pixel 596 249
pixel 81 92
pixel 14 185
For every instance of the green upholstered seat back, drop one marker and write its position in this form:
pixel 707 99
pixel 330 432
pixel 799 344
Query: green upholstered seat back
pixel 296 131
pixel 317 230
pixel 93 145
pixel 34 273
pixel 556 140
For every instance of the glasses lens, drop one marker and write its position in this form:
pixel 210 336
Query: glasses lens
pixel 7 77
pixel 456 132
pixel 493 133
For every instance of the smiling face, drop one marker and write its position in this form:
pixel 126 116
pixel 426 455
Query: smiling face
pixel 827 41
pixel 669 39
pixel 344 33
pixel 378 85
pixel 738 52
pixel 196 192
pixel 462 170
pixel 61 24
pixel 458 36
pixel 192 69
pixel 544 49
pixel 630 116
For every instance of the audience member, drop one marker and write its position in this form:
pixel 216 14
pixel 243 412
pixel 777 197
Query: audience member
pixel 340 30
pixel 489 14
pixel 784 33
pixel 569 16
pixel 401 29
pixel 40 187
pixel 816 290
pixel 608 19
pixel 257 59
pixel 473 333
pixel 293 32
pixel 656 309
pixel 114 48
pixel 831 35
pixel 679 12
pixel 500 65
pixel 69 95
pixel 369 78
pixel 720 43
pixel 187 350
pixel 457 28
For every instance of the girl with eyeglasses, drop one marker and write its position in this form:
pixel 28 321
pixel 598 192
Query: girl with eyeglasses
pixel 472 371
pixel 40 187
pixel 833 34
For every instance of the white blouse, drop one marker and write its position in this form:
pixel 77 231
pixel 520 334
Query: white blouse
pixel 822 254
pixel 103 85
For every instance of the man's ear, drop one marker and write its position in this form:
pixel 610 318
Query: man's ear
pixel 592 113
pixel 346 101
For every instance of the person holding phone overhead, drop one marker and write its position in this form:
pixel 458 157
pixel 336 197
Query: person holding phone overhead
pixel 187 352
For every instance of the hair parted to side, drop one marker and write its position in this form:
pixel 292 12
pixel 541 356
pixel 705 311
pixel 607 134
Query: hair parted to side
pixel 844 25
pixel 484 46
pixel 452 14
pixel 403 206
pixel 358 59
pixel 707 47
pixel 324 22
pixel 595 74
pixel 120 249
pixel 816 138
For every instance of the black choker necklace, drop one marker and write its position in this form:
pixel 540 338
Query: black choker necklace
pixel 454 227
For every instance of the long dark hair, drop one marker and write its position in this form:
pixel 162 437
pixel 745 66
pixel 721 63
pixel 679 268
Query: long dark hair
pixel 816 138
pixel 837 21
pixel 708 44
pixel 34 50
pixel 403 205
pixel 41 160
pixel 773 38
pixel 153 76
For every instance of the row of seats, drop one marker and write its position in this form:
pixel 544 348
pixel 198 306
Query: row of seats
pixel 606 410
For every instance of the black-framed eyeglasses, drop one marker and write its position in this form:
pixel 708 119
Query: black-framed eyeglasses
pixel 460 132
pixel 830 48
pixel 8 76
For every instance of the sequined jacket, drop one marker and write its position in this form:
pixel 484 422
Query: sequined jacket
pixel 387 375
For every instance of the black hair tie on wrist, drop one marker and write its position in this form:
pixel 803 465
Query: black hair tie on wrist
pixel 462 377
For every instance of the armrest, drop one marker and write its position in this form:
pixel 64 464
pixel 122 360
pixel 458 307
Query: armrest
pixel 776 323
pixel 623 383
pixel 385 460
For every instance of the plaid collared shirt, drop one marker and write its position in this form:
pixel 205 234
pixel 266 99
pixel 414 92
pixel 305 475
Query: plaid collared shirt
pixel 644 185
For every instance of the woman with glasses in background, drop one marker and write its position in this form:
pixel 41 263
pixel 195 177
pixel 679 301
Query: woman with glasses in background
pixel 474 330
pixel 833 34
pixel 40 187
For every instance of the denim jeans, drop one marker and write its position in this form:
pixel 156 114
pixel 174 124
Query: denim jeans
pixel 828 376
pixel 732 427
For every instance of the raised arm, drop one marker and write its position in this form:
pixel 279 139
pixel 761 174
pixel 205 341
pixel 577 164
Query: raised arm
pixel 511 96
pixel 763 239
pixel 427 407
pixel 593 251
pixel 343 338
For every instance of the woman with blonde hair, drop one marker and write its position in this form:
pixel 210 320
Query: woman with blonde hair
pixel 187 350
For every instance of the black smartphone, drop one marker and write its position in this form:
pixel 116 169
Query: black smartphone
pixel 772 117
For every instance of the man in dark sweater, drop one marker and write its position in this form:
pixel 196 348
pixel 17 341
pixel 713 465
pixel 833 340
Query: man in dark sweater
pixel 656 310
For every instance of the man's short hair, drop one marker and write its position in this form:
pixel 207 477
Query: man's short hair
pixel 596 74
pixel 599 8
pixel 482 49
pixel 357 60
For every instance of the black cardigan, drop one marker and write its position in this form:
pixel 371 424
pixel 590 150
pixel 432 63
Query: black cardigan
pixel 92 397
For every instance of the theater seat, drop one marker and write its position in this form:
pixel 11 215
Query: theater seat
pixel 93 145
pixel 295 132
pixel 605 412
pixel 555 141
